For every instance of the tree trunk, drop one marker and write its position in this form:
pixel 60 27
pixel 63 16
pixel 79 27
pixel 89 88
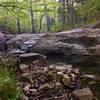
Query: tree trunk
pixel 70 12
pixel 32 17
pixel 62 14
pixel 41 23
pixel 18 24
pixel 47 23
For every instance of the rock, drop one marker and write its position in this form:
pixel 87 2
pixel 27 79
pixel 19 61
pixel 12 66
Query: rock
pixel 33 92
pixel 76 71
pixel 25 41
pixel 66 80
pixel 23 97
pixel 77 47
pixel 3 42
pixel 92 77
pixel 26 77
pixel 17 51
pixel 95 25
pixel 58 85
pixel 60 67
pixel 29 57
pixel 26 88
pixel 95 50
pixel 92 82
pixel 60 73
pixel 83 94
pixel 46 87
pixel 23 66
pixel 75 52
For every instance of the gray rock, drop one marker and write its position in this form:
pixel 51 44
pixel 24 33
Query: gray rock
pixel 23 97
pixel 78 45
pixel 46 87
pixel 3 42
pixel 92 77
pixel 26 77
pixel 83 94
pixel 26 88
pixel 33 91
pixel 66 80
pixel 95 50
pixel 23 66
pixel 27 57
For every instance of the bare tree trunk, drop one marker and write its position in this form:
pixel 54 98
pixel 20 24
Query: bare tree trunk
pixel 47 23
pixel 32 17
pixel 18 20
pixel 62 15
pixel 41 23
pixel 18 24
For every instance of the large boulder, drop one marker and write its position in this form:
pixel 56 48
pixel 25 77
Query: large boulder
pixel 76 45
pixel 74 52
pixel 24 41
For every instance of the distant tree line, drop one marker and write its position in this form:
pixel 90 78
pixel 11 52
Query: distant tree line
pixel 35 16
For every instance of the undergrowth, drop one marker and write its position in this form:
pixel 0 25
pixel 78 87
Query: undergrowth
pixel 8 87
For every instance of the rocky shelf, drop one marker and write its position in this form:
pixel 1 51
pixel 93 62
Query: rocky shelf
pixel 76 45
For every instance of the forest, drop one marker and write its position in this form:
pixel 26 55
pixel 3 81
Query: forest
pixel 49 49
pixel 25 16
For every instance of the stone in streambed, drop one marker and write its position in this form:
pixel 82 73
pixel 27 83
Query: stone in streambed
pixel 83 94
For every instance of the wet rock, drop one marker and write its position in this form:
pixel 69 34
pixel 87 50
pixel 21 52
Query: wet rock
pixel 83 94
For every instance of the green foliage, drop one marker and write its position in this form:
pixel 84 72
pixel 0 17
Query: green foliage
pixel 91 8
pixel 12 10
pixel 8 89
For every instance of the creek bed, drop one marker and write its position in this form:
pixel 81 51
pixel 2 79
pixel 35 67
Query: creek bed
pixel 86 68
